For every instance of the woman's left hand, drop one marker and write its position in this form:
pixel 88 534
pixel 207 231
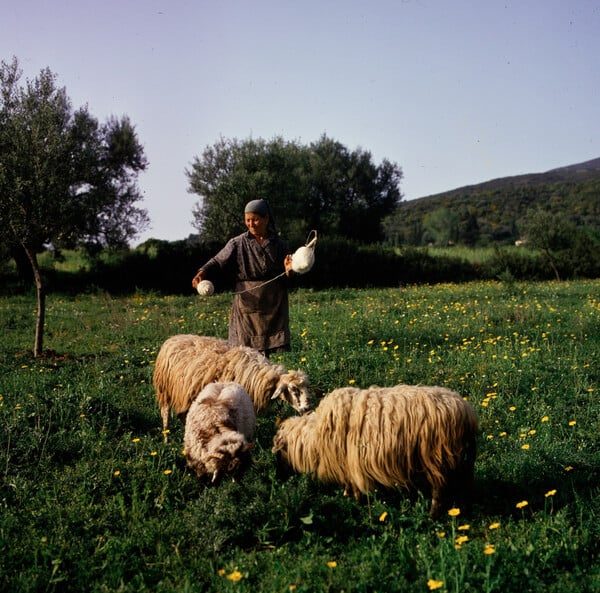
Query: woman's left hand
pixel 287 262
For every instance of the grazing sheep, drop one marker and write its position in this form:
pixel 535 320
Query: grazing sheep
pixel 219 428
pixel 385 436
pixel 187 363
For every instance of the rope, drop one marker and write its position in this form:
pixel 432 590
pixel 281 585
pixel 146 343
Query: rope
pixel 308 243
pixel 260 285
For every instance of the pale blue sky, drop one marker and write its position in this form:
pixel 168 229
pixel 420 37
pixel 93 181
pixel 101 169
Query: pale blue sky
pixel 454 92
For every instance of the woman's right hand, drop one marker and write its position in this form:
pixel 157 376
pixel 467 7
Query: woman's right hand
pixel 197 279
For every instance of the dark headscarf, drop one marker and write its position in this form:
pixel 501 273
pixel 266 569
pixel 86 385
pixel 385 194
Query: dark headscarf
pixel 262 208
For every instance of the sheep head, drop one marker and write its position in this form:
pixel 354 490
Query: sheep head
pixel 293 388
pixel 229 457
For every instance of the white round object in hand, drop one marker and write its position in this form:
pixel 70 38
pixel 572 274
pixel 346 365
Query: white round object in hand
pixel 303 259
pixel 205 288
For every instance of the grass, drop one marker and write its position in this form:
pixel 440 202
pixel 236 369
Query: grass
pixel 92 499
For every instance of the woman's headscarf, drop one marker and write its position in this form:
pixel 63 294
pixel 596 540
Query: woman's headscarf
pixel 262 208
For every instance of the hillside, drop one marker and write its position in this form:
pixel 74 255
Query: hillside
pixel 490 212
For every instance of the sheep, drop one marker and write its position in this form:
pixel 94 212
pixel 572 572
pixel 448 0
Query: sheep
pixel 385 436
pixel 219 428
pixel 187 363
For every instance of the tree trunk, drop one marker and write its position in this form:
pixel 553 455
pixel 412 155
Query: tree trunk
pixel 41 303
pixel 553 265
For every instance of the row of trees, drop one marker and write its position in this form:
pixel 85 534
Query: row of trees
pixel 494 215
pixel 65 178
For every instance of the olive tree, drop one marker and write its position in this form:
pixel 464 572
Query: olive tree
pixel 65 178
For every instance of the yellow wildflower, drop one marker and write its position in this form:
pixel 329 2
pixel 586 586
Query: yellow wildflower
pixel 332 564
pixel 433 584
pixel 383 516
pixel 550 493
pixel 454 512
pixel 489 549
pixel 235 576
pixel 522 504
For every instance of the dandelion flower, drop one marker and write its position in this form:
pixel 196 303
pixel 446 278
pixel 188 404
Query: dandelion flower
pixel 441 534
pixel 545 419
pixel 116 473
pixel 494 526
pixel 550 493
pixel 464 527
pixel 383 516
pixel 221 572
pixel 153 453
pixel 461 539
pixel 235 576
pixel 569 468
pixel 525 447
pixel 136 440
pixel 454 512
pixel 167 472
pixel 572 422
pixel 332 564
pixel 489 549
pixel 433 584
pixel 522 504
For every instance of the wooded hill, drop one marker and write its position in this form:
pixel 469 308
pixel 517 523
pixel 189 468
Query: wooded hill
pixel 491 212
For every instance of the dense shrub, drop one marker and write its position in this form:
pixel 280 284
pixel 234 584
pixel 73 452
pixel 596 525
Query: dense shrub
pixel 168 267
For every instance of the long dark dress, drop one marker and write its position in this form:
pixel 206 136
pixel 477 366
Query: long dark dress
pixel 259 314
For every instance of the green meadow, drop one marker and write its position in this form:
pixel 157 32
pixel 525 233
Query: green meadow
pixel 92 499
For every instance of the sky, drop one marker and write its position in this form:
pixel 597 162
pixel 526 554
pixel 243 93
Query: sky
pixel 454 92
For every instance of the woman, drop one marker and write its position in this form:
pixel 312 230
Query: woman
pixel 260 310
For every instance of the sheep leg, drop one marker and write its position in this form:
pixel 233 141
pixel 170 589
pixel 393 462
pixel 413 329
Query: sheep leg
pixel 164 412
pixel 437 501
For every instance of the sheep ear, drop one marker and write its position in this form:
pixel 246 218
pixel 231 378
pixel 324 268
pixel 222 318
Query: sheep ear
pixel 279 392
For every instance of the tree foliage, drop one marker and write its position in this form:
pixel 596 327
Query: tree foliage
pixel 551 234
pixel 65 178
pixel 491 215
pixel 323 186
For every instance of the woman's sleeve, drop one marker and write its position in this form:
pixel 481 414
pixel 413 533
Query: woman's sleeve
pixel 221 260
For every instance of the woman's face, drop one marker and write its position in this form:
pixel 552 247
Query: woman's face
pixel 256 224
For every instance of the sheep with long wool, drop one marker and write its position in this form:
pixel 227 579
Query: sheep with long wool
pixel 219 428
pixel 186 363
pixel 386 436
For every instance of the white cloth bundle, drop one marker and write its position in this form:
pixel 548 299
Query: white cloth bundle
pixel 304 257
